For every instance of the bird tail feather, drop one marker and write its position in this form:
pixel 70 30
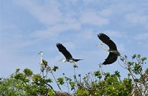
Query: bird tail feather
pixel 77 60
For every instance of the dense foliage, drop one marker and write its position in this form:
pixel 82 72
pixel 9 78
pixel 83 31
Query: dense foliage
pixel 97 83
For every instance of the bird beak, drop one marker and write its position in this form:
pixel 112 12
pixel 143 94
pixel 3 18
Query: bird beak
pixel 60 60
pixel 99 45
pixel 40 52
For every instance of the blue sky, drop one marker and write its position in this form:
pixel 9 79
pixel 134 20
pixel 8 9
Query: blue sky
pixel 30 26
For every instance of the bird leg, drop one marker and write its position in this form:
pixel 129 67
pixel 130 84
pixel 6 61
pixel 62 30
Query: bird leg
pixel 101 69
pixel 42 73
pixel 102 47
pixel 122 58
pixel 100 65
pixel 48 69
pixel 75 75
pixel 75 66
pixel 42 68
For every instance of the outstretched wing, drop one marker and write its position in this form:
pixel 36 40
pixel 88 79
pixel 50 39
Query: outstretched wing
pixel 110 59
pixel 64 51
pixel 105 39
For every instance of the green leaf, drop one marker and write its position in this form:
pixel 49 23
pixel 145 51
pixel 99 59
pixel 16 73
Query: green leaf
pixel 55 68
pixel 60 81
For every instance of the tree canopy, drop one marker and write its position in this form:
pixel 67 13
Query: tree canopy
pixel 96 83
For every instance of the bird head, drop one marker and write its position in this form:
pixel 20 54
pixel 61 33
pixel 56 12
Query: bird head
pixel 41 52
pixel 99 45
pixel 63 60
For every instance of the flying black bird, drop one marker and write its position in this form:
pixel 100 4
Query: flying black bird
pixel 114 53
pixel 66 53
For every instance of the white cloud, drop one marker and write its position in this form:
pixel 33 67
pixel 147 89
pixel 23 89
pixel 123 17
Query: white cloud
pixel 47 33
pixel 141 36
pixel 69 45
pixel 7 27
pixel 55 30
pixel 10 54
pixel 14 41
pixel 106 12
pixel 87 34
pixel 89 17
pixel 114 33
pixel 47 14
pixel 136 18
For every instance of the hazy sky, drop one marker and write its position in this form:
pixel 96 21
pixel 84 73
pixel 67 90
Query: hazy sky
pixel 30 26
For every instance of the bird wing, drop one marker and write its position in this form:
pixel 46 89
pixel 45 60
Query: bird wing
pixel 64 51
pixel 105 39
pixel 110 59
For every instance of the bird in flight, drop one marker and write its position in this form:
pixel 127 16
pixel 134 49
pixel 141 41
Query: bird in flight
pixel 113 52
pixel 67 54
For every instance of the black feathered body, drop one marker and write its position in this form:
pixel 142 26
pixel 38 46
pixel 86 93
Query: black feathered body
pixel 113 55
pixel 66 53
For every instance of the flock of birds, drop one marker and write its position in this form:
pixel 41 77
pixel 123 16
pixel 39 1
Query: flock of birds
pixel 113 52
pixel 111 58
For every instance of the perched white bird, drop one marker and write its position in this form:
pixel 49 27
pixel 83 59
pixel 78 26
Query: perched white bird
pixel 42 65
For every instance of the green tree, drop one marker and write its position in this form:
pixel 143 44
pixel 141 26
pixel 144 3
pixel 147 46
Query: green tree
pixel 106 84
pixel 95 83
pixel 26 84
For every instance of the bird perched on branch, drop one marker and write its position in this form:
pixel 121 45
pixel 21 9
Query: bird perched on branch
pixel 42 65
pixel 113 52
pixel 66 53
